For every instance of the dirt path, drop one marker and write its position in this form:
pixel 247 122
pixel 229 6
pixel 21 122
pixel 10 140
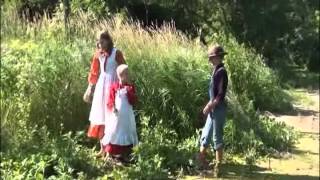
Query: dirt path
pixel 303 163
pixel 306 115
pixel 304 160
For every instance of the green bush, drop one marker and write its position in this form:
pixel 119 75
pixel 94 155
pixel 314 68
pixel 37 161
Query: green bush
pixel 43 77
pixel 47 156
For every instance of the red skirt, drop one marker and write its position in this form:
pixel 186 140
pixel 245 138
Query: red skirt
pixel 117 149
pixel 96 131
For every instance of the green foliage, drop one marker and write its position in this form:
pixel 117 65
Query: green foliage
pixel 160 155
pixel 293 41
pixel 99 7
pixel 31 8
pixel 47 156
pixel 44 75
pixel 283 31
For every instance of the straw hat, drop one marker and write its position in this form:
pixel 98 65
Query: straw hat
pixel 216 50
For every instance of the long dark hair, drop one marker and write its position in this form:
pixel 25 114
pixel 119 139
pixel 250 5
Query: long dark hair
pixel 105 35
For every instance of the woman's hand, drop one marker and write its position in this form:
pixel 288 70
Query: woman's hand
pixel 88 95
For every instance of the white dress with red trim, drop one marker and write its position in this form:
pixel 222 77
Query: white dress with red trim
pixel 121 129
pixel 107 77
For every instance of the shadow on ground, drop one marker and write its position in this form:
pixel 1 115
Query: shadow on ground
pixel 239 171
pixel 298 112
pixel 302 152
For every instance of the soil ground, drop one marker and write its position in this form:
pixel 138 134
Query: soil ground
pixel 302 163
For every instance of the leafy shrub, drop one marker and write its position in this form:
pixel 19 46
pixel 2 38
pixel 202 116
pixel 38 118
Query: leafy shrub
pixel 47 156
pixel 44 75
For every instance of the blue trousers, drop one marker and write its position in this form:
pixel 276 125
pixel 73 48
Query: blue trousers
pixel 213 129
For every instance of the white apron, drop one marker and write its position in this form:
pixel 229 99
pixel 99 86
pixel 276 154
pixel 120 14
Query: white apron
pixel 121 129
pixel 107 76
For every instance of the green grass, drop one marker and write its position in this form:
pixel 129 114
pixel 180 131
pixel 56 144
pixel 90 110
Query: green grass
pixel 303 164
pixel 44 72
pixel 300 97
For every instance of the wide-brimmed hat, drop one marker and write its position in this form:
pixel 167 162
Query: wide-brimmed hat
pixel 216 50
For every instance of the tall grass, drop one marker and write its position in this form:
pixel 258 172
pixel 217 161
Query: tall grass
pixel 43 75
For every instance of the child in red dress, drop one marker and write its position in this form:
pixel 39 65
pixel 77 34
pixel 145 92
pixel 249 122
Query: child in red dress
pixel 121 135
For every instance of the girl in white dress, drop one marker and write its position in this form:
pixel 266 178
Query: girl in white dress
pixel 120 135
pixel 102 74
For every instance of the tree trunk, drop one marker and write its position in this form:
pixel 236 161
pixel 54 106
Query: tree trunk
pixel 147 11
pixel 66 7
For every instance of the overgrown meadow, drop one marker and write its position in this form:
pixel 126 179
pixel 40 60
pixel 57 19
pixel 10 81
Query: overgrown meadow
pixel 44 72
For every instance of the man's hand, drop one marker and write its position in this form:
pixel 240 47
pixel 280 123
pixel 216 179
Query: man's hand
pixel 208 108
